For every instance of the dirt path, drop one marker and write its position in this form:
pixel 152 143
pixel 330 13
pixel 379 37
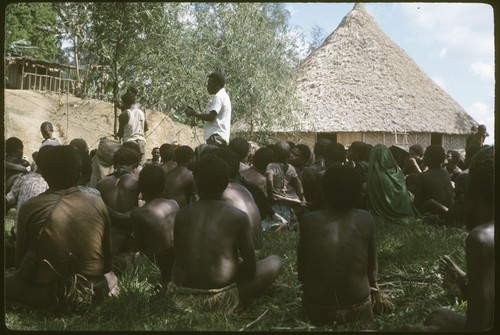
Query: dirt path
pixel 73 117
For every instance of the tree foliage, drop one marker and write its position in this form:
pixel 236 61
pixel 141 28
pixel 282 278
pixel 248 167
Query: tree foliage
pixel 30 30
pixel 167 50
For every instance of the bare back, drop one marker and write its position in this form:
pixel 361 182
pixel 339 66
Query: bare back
pixel 154 226
pixel 253 176
pixel 208 235
pixel 168 166
pixel 120 193
pixel 239 197
pixel 179 185
pixel 337 257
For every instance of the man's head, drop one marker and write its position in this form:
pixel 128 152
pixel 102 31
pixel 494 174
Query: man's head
pixel 132 145
pixel 128 99
pixel 46 128
pixel 216 81
pixel 211 175
pixel 263 156
pixel 434 156
pixel 300 155
pixel 126 157
pixel 167 152
pixel 81 144
pixel 151 182
pixel 452 156
pixel 241 147
pixel 336 153
pixel 342 187
pixel 61 165
pixel 480 188
pixel 356 151
pixel 416 150
pixel 184 155
pixel 156 154
pixel 14 147
pixel 231 159
pixel 282 151
pixel 321 147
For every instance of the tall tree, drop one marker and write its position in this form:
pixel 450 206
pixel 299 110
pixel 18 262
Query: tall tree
pixel 30 30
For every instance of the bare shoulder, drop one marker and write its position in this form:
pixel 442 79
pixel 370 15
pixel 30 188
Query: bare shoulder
pixel 482 235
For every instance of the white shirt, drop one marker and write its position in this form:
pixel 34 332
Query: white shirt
pixel 134 129
pixel 222 123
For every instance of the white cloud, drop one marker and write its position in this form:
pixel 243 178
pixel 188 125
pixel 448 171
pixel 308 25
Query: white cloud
pixel 483 70
pixel 443 53
pixel 465 29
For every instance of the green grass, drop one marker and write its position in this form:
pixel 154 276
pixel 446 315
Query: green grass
pixel 408 273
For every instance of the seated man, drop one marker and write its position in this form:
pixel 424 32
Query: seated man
pixel 61 233
pixel 209 236
pixel 337 256
pixel 120 193
pixel 237 195
pixel 479 251
pixel 179 182
pixel 153 223
pixel 167 154
pixel 434 192
pixel 257 172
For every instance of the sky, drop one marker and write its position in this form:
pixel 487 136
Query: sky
pixel 453 43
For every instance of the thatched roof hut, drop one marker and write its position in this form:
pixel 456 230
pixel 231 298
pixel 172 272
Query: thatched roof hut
pixel 360 85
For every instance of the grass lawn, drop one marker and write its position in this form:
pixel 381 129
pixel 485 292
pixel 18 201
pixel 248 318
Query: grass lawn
pixel 408 273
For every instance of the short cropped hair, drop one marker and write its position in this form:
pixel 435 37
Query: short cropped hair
pixel 231 159
pixel 305 152
pixel 342 187
pixel 167 152
pixel 125 157
pixel 46 125
pixel 211 175
pixel 263 157
pixel 13 145
pixel 61 166
pixel 218 78
pixel 151 181
pixel 434 155
pixel 417 149
pixel 281 150
pixel 336 153
pixel 128 99
pixel 132 145
pixel 321 147
pixel 184 154
pixel 240 146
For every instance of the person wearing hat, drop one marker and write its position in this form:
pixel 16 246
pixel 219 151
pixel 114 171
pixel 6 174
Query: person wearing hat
pixel 218 112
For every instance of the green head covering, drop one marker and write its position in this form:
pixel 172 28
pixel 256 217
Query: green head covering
pixel 387 192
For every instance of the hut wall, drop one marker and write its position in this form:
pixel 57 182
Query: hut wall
pixel 454 142
pixel 347 138
pixel 307 138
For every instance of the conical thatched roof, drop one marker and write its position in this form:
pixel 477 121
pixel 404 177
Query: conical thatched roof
pixel 359 80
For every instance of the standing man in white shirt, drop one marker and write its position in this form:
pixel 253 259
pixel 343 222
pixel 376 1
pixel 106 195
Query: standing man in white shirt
pixel 218 113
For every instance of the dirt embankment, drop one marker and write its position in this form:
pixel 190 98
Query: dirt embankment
pixel 89 119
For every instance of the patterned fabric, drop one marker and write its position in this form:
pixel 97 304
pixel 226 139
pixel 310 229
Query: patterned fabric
pixel 26 187
pixel 282 175
pixel 224 299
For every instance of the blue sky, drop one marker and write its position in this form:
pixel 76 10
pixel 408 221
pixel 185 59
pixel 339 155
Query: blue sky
pixel 452 42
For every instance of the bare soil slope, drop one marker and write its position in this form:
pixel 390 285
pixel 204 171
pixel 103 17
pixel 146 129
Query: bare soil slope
pixel 74 117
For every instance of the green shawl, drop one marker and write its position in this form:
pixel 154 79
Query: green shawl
pixel 387 193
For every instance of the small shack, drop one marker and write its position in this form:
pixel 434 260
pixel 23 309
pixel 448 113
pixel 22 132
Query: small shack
pixel 26 73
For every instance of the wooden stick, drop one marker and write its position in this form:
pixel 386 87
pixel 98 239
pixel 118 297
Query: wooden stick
pixel 254 321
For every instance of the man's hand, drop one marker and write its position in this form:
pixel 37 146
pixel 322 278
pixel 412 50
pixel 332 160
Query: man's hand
pixel 189 111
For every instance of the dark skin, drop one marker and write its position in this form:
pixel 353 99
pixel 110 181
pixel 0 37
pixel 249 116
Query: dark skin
pixel 345 276
pixel 239 197
pixel 309 181
pixel 167 166
pixel 255 176
pixel 212 88
pixel 120 196
pixel 179 185
pixel 209 235
pixel 154 231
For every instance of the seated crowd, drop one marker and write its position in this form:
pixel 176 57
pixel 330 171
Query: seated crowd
pixel 200 213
